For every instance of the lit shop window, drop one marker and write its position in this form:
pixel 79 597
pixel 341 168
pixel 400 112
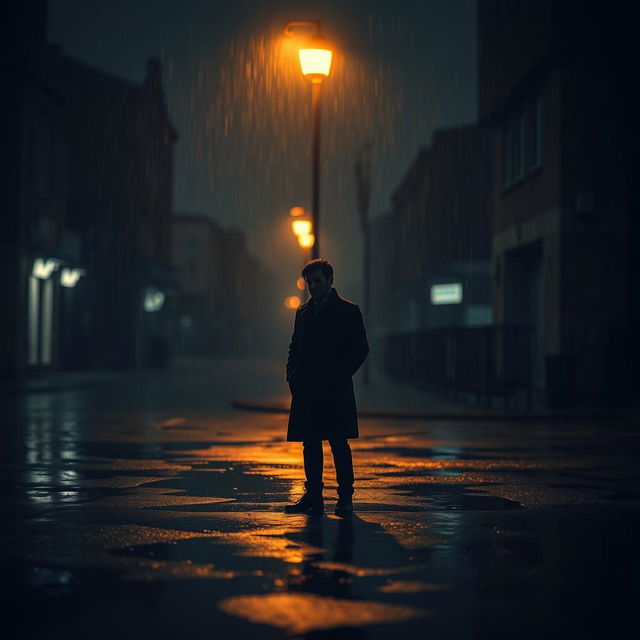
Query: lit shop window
pixel 153 299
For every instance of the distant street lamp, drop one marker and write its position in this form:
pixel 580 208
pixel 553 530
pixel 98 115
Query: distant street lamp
pixel 306 240
pixel 292 302
pixel 315 62
pixel 301 227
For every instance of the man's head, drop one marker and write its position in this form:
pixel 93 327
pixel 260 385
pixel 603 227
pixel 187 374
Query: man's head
pixel 318 275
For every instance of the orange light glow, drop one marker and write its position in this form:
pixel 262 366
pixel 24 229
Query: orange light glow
pixel 302 613
pixel 296 211
pixel 301 284
pixel 306 241
pixel 315 62
pixel 292 302
pixel 301 227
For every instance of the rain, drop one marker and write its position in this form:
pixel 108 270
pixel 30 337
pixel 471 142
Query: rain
pixel 328 353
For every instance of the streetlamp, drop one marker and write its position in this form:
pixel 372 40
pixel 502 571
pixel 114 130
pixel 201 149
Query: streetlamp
pixel 303 231
pixel 315 63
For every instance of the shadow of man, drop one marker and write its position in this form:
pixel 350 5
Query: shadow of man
pixel 321 572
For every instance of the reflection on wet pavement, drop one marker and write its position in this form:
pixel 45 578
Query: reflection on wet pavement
pixel 300 613
pixel 455 525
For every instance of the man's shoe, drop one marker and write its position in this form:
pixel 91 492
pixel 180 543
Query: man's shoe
pixel 308 503
pixel 344 506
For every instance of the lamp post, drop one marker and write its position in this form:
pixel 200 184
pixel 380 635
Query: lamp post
pixel 363 184
pixel 315 63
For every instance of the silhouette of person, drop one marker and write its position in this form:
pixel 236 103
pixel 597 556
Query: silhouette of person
pixel 328 345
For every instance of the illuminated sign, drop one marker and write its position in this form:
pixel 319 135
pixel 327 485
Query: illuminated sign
pixel 450 293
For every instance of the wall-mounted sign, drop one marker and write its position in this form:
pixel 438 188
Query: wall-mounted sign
pixel 450 293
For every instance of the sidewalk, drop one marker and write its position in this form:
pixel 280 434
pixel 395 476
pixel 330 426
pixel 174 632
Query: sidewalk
pixel 60 381
pixel 257 384
pixel 386 399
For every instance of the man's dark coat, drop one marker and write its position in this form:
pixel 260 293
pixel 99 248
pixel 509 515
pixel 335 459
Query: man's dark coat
pixel 327 348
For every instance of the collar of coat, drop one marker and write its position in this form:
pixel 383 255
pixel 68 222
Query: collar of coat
pixel 333 297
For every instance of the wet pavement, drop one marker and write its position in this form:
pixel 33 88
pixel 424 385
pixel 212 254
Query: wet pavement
pixel 144 506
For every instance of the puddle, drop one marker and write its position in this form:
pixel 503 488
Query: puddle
pixel 298 613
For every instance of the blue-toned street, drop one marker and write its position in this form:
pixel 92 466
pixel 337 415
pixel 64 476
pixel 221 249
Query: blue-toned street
pixel 141 505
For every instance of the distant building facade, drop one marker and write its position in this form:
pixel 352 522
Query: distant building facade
pixel 86 200
pixel 554 87
pixel 436 238
pixel 33 195
pixel 224 301
pixel 120 203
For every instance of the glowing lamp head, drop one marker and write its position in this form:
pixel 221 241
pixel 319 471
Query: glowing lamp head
pixel 296 211
pixel 69 277
pixel 44 267
pixel 306 241
pixel 315 58
pixel 301 227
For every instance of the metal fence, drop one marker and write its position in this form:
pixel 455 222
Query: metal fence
pixel 486 361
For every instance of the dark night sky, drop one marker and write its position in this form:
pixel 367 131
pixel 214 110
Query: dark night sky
pixel 242 109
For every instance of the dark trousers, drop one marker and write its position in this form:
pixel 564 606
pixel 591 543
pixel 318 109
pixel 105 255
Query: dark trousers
pixel 313 464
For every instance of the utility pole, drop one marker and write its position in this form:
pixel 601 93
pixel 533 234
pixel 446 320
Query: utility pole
pixel 363 185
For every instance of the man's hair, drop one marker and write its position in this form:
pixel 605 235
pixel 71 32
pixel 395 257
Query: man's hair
pixel 319 263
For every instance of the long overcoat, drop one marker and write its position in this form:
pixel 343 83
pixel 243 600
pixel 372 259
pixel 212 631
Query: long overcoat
pixel 327 348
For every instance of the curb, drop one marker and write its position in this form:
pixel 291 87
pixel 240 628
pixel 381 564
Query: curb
pixel 266 407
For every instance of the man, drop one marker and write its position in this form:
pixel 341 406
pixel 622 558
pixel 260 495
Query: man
pixel 328 345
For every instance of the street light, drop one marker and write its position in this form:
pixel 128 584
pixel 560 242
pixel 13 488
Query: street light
pixel 301 227
pixel 315 62
pixel 307 240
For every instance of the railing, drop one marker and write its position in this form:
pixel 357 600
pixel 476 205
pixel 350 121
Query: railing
pixel 487 361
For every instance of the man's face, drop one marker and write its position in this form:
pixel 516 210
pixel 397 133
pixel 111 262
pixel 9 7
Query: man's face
pixel 317 284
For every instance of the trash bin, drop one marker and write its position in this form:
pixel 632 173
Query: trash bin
pixel 561 380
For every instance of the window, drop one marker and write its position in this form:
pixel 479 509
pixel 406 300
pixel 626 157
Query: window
pixel 506 155
pixel 517 153
pixel 535 140
pixel 521 144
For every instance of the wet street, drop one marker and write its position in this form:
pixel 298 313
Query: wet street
pixel 143 506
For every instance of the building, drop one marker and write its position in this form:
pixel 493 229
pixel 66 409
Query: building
pixel 87 194
pixel 441 220
pixel 225 302
pixel 34 240
pixel 432 267
pixel 554 87
pixel 119 202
